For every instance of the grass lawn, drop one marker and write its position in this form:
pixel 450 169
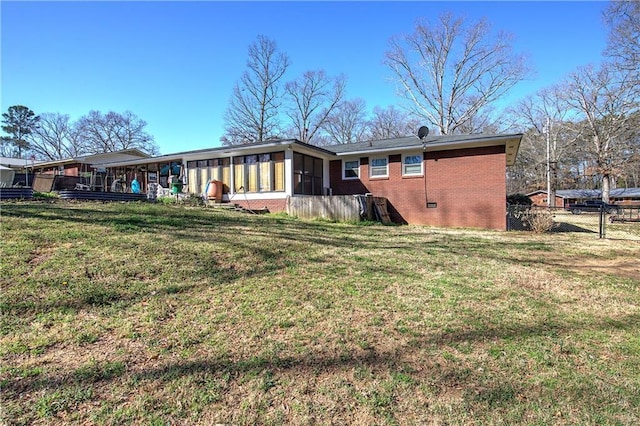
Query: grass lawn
pixel 165 314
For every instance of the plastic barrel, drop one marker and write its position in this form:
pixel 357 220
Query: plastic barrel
pixel 214 190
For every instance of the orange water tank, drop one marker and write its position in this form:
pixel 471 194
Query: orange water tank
pixel 214 190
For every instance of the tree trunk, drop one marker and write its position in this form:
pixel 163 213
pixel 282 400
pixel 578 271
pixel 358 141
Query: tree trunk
pixel 606 188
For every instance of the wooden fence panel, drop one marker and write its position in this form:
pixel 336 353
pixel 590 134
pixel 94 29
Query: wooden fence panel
pixel 43 183
pixel 333 207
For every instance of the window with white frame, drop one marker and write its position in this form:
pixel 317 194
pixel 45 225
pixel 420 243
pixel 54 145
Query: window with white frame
pixel 412 165
pixel 379 167
pixel 351 169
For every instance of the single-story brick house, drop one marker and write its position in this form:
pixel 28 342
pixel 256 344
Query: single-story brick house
pixel 621 196
pixel 539 198
pixel 454 180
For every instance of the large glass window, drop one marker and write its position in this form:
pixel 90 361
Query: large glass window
pixel 238 174
pixel 412 165
pixel 168 169
pixel 317 177
pixel 259 173
pixel 379 167
pixel 251 169
pixel 307 174
pixel 220 170
pixel 351 169
pixel 202 171
pixel 278 171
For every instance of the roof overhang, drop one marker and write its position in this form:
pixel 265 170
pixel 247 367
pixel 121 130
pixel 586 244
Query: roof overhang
pixel 55 163
pixel 443 143
pixel 228 151
pixel 399 145
pixel 95 159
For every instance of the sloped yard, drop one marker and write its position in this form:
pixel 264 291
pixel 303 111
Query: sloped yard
pixel 165 314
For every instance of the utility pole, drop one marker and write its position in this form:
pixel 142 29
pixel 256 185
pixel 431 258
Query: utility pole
pixel 548 131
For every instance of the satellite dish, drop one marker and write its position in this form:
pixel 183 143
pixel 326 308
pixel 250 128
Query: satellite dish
pixel 423 132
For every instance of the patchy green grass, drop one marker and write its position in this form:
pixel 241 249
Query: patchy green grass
pixel 168 314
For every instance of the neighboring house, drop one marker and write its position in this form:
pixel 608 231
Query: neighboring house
pixel 564 197
pixel 625 196
pixel 457 181
pixel 539 198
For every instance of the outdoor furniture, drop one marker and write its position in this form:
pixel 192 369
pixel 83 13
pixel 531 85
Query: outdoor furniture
pixel 163 192
pixel 82 187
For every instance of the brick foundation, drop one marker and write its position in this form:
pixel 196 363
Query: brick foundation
pixel 274 206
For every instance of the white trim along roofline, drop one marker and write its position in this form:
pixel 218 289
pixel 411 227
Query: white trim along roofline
pixel 511 142
pixel 227 151
pixel 383 147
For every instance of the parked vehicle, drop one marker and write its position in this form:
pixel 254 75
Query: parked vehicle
pixel 592 206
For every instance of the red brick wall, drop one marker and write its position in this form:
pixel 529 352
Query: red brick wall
pixel 468 185
pixel 72 170
pixel 541 200
pixel 68 170
pixel 274 206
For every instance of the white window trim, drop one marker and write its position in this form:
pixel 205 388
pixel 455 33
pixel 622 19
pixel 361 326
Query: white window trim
pixel 357 160
pixel 386 174
pixel 421 164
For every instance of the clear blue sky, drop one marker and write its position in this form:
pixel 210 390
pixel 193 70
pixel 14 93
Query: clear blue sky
pixel 174 63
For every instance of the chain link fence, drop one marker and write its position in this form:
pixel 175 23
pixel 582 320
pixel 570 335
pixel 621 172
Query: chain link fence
pixel 621 225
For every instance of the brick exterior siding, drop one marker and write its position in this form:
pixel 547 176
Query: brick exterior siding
pixel 274 206
pixel 540 200
pixel 468 185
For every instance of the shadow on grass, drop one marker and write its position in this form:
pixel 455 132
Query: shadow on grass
pixel 176 221
pixel 390 360
pixel 260 246
pixel 569 227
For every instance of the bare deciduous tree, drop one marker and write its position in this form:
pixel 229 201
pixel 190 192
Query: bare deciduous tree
pixel 623 18
pixel 347 123
pixel 253 110
pixel 630 171
pixel 111 132
pixel 450 72
pixel 390 122
pixel 56 138
pixel 548 143
pixel 606 101
pixel 313 97
pixel 623 49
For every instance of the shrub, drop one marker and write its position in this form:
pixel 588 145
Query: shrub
pixel 519 200
pixel 45 195
pixel 539 221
